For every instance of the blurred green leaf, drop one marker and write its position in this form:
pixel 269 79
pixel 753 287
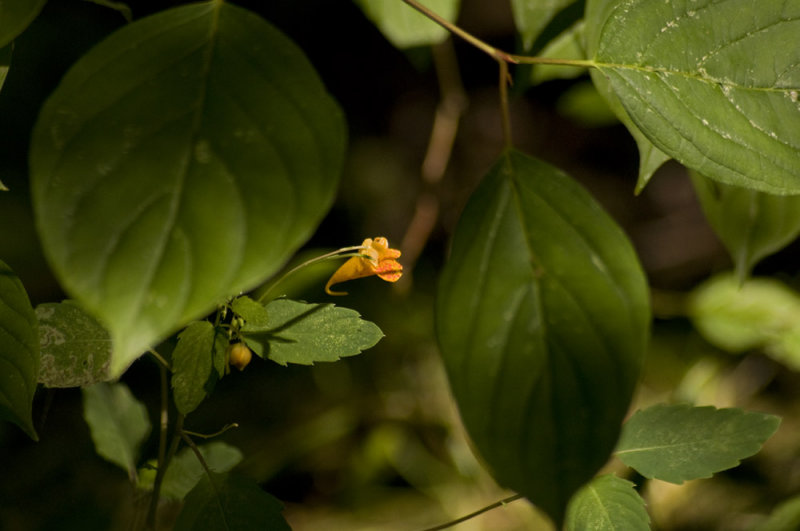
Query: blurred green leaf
pixel 679 443
pixel 121 7
pixel 585 105
pixel 532 16
pixel 750 223
pixel 721 102
pixel 298 332
pixel 75 348
pixel 193 364
pixel 568 45
pixel 185 470
pixel 785 517
pixel 404 26
pixel 542 317
pixel 228 502
pixel 118 423
pixel 607 503
pixel 759 313
pixel 5 64
pixel 19 352
pixel 15 16
pixel 206 145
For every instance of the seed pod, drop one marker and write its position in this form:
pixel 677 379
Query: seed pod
pixel 239 355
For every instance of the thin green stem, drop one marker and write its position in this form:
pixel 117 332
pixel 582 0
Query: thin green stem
pixel 162 362
pixel 212 435
pixel 457 521
pixel 504 112
pixel 162 469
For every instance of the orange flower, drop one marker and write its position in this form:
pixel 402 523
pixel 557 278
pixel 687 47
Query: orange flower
pixel 376 258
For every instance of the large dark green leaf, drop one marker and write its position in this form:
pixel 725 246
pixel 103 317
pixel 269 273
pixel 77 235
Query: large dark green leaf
pixel 750 223
pixel 228 502
pixel 713 84
pixel 181 160
pixel 607 503
pixel 15 15
pixel 542 317
pixel 680 443
pixel 19 352
pixel 403 26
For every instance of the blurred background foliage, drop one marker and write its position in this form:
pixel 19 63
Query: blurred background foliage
pixel 374 441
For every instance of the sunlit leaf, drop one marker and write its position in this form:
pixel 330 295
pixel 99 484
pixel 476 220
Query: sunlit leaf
pixel 227 502
pixel 297 332
pixel 75 348
pixel 542 316
pixel 715 96
pixel 193 364
pixel 532 16
pixel 15 15
pixel 404 26
pixel 680 443
pixel 607 503
pixel 181 160
pixel 118 423
pixel 750 223
pixel 19 352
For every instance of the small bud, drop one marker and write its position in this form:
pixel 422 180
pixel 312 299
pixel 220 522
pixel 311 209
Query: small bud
pixel 239 355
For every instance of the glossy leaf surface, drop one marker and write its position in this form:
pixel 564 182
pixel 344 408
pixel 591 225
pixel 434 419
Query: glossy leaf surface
pixel 680 443
pixel 607 503
pixel 404 26
pixel 751 224
pixel 532 16
pixel 542 317
pixel 716 97
pixel 75 348
pixel 227 502
pixel 193 364
pixel 206 144
pixel 19 352
pixel 15 15
pixel 118 423
pixel 297 332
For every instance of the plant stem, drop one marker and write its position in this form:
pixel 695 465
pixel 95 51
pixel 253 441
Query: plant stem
pixel 495 505
pixel 162 469
pixel 212 435
pixel 504 113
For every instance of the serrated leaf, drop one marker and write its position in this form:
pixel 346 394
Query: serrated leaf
pixel 19 352
pixel 15 16
pixel 716 98
pixel 298 332
pixel 404 26
pixel 118 424
pixel 751 224
pixel 75 348
pixel 229 502
pixel 193 364
pixel 679 443
pixel 607 503
pixel 532 16
pixel 542 317
pixel 254 313
pixel 181 160
pixel 759 313
pixel 185 470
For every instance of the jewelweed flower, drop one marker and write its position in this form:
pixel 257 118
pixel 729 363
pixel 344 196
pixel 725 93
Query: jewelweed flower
pixel 375 258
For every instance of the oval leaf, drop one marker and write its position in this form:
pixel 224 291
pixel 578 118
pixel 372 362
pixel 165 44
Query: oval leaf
pixel 193 364
pixel 15 15
pixel 680 443
pixel 297 332
pixel 228 502
pixel 118 423
pixel 751 224
pixel 182 159
pixel 403 26
pixel 75 348
pixel 19 352
pixel 542 317
pixel 718 98
pixel 608 503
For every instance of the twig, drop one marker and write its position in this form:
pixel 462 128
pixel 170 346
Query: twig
pixel 495 505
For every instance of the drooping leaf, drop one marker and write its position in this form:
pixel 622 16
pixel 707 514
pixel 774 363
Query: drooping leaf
pixel 19 352
pixel 716 97
pixel 185 469
pixel 759 313
pixel 532 16
pixel 15 16
pixel 607 503
pixel 678 443
pixel 118 423
pixel 193 364
pixel 297 332
pixel 785 517
pixel 75 348
pixel 750 223
pixel 181 160
pixel 403 26
pixel 542 317
pixel 228 502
